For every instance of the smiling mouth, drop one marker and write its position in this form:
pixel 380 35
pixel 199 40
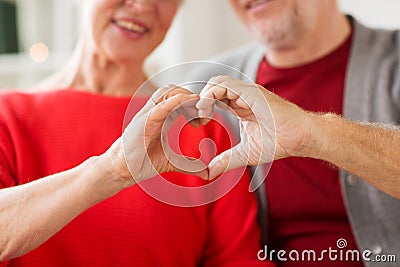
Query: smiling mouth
pixel 131 26
pixel 255 3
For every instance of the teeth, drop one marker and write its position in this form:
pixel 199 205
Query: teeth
pixel 255 3
pixel 130 26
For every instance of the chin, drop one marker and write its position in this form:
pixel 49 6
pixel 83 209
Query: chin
pixel 277 32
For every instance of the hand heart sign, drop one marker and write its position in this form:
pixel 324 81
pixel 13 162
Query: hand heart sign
pixel 148 152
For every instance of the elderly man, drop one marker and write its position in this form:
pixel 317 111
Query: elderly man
pixel 318 58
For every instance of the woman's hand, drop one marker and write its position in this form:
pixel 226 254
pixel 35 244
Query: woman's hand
pixel 143 151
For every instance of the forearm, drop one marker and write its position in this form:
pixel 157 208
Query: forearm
pixel 32 213
pixel 366 150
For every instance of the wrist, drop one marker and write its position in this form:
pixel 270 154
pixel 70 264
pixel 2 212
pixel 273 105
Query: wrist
pixel 103 181
pixel 322 134
pixel 113 161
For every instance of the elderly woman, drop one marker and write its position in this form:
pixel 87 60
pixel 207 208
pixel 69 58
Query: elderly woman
pixel 67 196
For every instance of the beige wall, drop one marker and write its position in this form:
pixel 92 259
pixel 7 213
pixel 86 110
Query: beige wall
pixel 206 27
pixel 202 28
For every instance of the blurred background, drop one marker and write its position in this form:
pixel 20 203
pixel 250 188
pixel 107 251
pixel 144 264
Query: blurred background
pixel 37 36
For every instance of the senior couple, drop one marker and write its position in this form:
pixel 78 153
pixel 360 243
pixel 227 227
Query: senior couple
pixel 68 194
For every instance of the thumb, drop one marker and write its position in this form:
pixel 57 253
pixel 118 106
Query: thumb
pixel 227 160
pixel 184 164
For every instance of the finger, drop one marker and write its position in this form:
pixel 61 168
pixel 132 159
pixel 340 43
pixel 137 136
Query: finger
pixel 187 108
pixel 228 105
pixel 170 91
pixel 163 109
pixel 184 164
pixel 191 114
pixel 152 102
pixel 227 160
pixel 189 111
pixel 205 107
pixel 188 165
pixel 234 89
pixel 221 87
pixel 212 92
pixel 239 103
pixel 240 113
pixel 218 89
pixel 161 94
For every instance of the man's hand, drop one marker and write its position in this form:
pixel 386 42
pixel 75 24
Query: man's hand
pixel 270 127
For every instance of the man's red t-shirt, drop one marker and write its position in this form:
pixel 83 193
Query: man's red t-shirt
pixel 306 208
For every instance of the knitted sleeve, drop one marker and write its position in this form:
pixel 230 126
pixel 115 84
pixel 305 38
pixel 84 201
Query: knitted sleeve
pixel 7 162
